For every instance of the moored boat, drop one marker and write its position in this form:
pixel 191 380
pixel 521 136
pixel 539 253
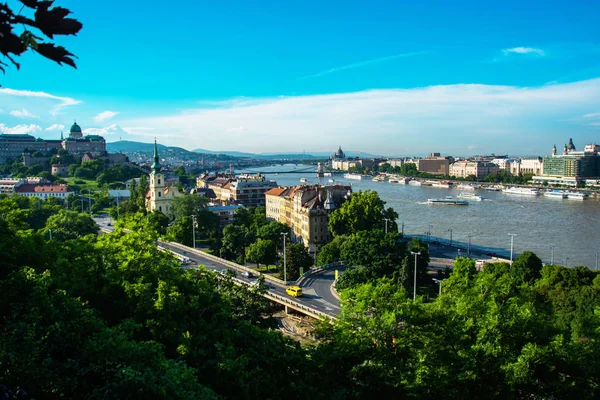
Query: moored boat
pixel 519 191
pixel 303 180
pixel 555 194
pixel 356 177
pixel 415 183
pixel 577 196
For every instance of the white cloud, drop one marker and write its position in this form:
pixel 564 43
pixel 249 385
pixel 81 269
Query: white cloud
pixel 55 127
pixel 20 129
pixel 106 131
pixel 471 147
pixel 524 50
pixel 22 114
pixel 105 115
pixel 366 63
pixel 396 121
pixel 63 101
pixel 592 115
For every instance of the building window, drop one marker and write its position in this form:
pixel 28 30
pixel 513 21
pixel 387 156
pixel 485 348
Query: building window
pixel 159 208
pixel 159 181
pixel 158 194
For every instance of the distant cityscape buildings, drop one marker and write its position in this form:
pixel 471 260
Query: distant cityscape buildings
pixel 12 146
pixel 305 209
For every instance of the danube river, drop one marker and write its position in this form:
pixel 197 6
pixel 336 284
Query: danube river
pixel 539 223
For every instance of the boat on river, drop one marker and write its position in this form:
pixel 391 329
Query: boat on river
pixel 303 180
pixel 414 183
pixel 577 196
pixel 447 201
pixel 465 186
pixel 520 191
pixel 555 194
pixel 442 184
pixel 356 177
pixel 470 196
pixel 379 178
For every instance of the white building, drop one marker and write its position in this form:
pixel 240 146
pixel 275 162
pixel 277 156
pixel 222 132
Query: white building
pixel 43 191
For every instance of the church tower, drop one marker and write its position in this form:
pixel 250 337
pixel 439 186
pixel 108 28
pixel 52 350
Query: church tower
pixel 157 185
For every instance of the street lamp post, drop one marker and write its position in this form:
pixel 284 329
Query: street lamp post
pixel 439 282
pixel 469 247
pixel 552 255
pixel 512 242
pixel 418 253
pixel 429 237
pixel 90 201
pixel 450 230
pixel 194 230
pixel 386 222
pixel 284 234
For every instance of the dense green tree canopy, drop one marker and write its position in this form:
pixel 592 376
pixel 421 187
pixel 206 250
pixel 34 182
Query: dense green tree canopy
pixel 364 211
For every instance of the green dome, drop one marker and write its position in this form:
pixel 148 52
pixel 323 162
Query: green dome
pixel 75 128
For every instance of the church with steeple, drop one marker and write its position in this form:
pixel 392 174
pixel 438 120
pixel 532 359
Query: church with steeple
pixel 159 194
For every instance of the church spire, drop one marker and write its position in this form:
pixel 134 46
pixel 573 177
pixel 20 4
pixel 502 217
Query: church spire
pixel 156 166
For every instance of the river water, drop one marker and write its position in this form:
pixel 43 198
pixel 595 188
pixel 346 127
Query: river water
pixel 539 223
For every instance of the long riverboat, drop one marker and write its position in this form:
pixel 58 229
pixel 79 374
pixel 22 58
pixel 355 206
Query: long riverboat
pixel 576 196
pixel 447 201
pixel 555 194
pixel 519 191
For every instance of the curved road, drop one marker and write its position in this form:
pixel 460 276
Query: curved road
pixel 317 293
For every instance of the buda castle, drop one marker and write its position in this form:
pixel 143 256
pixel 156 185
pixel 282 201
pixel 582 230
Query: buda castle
pixel 12 146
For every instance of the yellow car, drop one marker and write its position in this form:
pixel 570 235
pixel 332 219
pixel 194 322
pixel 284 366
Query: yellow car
pixel 294 291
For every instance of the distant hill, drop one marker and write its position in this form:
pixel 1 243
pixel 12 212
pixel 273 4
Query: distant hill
pixel 262 156
pixel 125 146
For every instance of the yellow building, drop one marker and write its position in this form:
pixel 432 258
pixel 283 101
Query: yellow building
pixel 306 210
pixel 159 195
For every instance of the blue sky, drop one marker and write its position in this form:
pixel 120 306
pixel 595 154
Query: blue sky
pixel 385 77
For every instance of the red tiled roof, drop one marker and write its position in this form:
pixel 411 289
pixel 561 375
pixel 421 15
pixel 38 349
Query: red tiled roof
pixel 275 191
pixel 32 188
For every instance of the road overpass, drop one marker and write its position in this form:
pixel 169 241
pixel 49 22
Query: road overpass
pixel 317 300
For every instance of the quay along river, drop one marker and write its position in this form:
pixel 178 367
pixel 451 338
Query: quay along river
pixel 572 227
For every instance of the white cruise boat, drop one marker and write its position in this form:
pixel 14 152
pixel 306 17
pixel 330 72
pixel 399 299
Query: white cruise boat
pixel 464 186
pixel 519 191
pixel 555 194
pixel 470 196
pixel 303 180
pixel 415 183
pixel 403 181
pixel 442 184
pixel 447 201
pixel 492 188
pixel 356 177
pixel 379 179
pixel 577 196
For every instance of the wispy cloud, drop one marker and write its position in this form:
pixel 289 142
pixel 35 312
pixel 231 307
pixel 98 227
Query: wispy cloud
pixel 365 63
pixel 55 127
pixel 22 114
pixel 397 121
pixel 63 101
pixel 523 50
pixel 592 115
pixel 20 129
pixel 105 115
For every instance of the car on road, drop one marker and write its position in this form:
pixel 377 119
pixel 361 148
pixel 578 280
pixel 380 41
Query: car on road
pixel 294 291
pixel 261 283
pixel 247 274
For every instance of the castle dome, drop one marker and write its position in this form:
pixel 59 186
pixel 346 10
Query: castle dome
pixel 75 128
pixel 75 132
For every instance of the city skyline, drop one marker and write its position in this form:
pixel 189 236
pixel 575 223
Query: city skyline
pixel 389 79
